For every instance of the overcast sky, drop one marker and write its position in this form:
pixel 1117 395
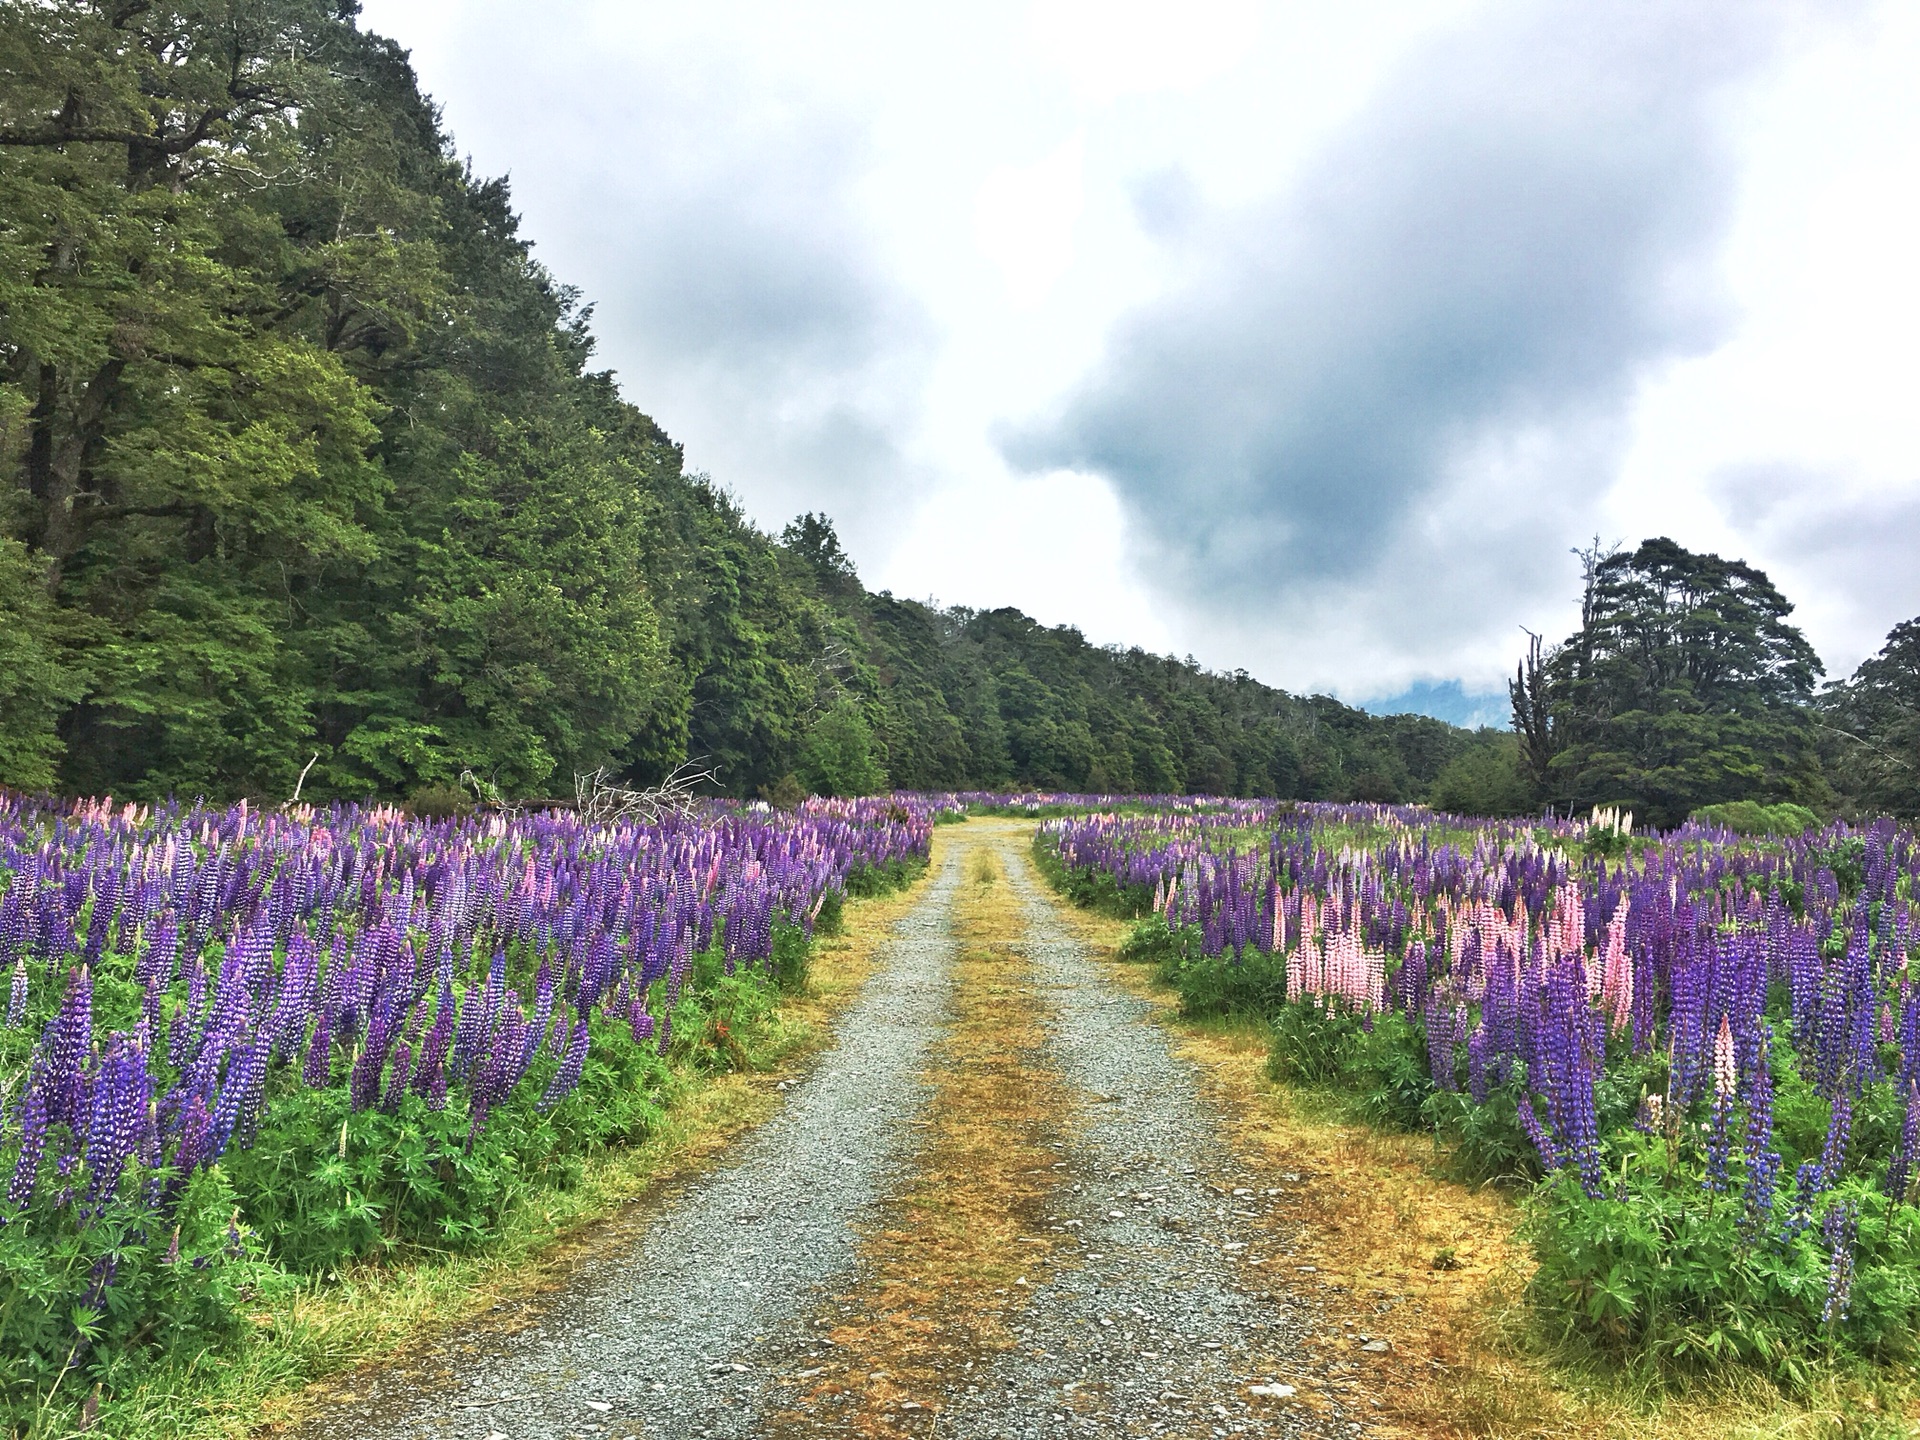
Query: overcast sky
pixel 1304 338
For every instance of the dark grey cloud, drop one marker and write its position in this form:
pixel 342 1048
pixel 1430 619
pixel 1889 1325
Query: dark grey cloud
pixel 1516 228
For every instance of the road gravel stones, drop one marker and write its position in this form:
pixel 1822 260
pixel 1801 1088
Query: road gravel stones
pixel 1158 1327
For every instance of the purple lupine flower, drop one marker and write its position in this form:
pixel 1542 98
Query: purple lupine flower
pixel 1763 1160
pixel 32 1120
pixel 122 1092
pixel 1833 1154
pixel 183 1043
pixel 66 1041
pixel 1906 1150
pixel 430 1079
pixel 237 1105
pixel 572 1064
pixel 397 1078
pixel 319 1066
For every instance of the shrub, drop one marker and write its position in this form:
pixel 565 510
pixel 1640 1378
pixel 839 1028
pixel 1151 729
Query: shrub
pixel 1249 981
pixel 1484 780
pixel 100 1300
pixel 439 802
pixel 786 793
pixel 838 755
pixel 1749 817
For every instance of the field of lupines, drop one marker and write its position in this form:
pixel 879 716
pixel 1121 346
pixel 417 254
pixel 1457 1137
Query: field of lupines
pixel 960 803
pixel 243 1046
pixel 1704 1052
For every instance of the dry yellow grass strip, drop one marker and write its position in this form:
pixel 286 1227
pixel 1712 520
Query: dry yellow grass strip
pixel 964 1246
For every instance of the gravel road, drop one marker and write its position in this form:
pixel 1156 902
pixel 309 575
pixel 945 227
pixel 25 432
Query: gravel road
pixel 1166 1313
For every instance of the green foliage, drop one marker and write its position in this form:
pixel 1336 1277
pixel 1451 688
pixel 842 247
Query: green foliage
pixel 837 758
pixel 1096 890
pixel 1749 817
pixel 322 1186
pixel 870 881
pixel 1150 942
pixel 1251 981
pixel 148 1296
pixel 1484 780
pixel 1657 1271
pixel 1377 1063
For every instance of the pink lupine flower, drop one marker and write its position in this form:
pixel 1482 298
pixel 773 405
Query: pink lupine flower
pixel 1725 1076
pixel 1616 980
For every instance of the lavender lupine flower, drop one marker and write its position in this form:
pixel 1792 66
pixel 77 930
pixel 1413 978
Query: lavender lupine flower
pixel 17 995
pixel 1839 1229
pixel 1648 1118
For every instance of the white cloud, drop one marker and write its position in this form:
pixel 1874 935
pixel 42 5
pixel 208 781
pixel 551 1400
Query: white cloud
pixel 1024 219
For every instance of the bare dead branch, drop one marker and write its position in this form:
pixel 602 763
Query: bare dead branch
pixel 601 802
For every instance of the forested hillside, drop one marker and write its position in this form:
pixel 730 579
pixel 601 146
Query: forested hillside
pixel 309 457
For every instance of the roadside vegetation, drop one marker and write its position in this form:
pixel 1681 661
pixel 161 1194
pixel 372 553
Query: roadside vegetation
pixel 1688 1060
pixel 259 1071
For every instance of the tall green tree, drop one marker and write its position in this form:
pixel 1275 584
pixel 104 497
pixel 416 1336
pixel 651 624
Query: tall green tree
pixel 1872 729
pixel 1686 685
pixel 186 459
pixel 311 461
